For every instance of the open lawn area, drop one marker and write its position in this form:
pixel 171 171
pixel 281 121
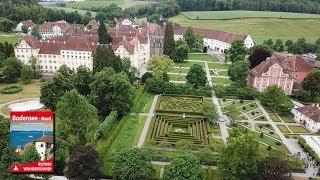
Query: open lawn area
pixel 260 28
pixel 10 39
pixel 246 14
pixel 219 66
pixel 177 77
pixel 283 129
pixel 31 90
pixel 298 129
pixel 103 3
pixel 68 9
pixel 275 118
pixel 202 57
pixel 180 70
pixel 188 64
pixel 286 119
pixel 124 134
pixel 220 80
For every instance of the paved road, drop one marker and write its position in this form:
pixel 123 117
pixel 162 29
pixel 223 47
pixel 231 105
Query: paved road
pixel 147 124
pixel 11 102
pixel 223 121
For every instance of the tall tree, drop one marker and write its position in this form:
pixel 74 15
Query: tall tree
pixel 6 24
pixel 128 168
pixel 84 163
pixel 35 33
pixel 258 54
pixel 31 155
pixel 312 83
pixel 238 73
pixel 105 57
pixel 26 74
pixel 237 51
pixel 11 70
pixel 168 43
pixel 65 71
pixel 35 67
pixel 240 158
pixel 196 76
pixel 53 89
pixel 273 168
pixel 111 91
pixel 160 65
pixel 104 36
pixel 76 118
pixel 181 53
pixel 275 98
pixel 9 156
pixel 4 133
pixel 189 37
pixel 182 167
pixel 82 79
pixel 24 29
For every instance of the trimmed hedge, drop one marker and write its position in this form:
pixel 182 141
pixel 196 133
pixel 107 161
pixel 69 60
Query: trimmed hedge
pixel 303 144
pixel 12 89
pixel 105 126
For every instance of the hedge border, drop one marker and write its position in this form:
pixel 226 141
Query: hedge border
pixel 11 89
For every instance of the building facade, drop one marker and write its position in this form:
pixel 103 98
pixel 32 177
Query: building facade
pixel 283 70
pixel 29 24
pixel 309 116
pixel 54 29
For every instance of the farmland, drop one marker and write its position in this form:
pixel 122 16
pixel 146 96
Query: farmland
pixel 258 28
pixel 245 14
pixel 103 3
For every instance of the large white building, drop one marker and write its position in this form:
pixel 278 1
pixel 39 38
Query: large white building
pixel 309 116
pixel 78 49
pixel 215 40
pixel 54 29
pixel 28 24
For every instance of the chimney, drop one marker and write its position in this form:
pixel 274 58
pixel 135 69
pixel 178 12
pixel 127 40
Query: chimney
pixel 64 42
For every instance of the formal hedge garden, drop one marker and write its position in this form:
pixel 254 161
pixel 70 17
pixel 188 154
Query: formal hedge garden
pixel 174 129
pixel 12 89
pixel 180 104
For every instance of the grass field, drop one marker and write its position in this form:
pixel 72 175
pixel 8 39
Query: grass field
pixel 298 129
pixel 67 9
pixel 31 90
pixel 260 28
pixel 246 14
pixel 283 129
pixel 10 39
pixel 103 3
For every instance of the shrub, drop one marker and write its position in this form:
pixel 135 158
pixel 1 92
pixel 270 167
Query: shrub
pixel 12 89
pixel 244 107
pixel 278 143
pixel 261 135
pixel 241 101
pixel 271 132
pixel 165 144
pixel 269 148
pixel 105 126
pixel 251 105
pixel 185 145
pixel 224 100
pixel 252 113
pixel 210 112
pixel 246 123
pixel 260 126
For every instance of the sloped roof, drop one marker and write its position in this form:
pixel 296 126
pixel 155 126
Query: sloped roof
pixel 77 43
pixel 290 64
pixel 45 139
pixel 48 26
pixel 311 111
pixel 28 23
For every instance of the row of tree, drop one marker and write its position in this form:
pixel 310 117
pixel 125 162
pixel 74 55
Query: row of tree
pixel 301 46
pixel 307 6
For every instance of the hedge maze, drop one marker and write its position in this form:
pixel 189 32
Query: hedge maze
pixel 180 104
pixel 172 125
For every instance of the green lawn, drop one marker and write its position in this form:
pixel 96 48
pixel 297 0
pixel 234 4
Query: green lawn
pixel 245 14
pixel 176 77
pixel 275 118
pixel 188 64
pixel 219 80
pixel 298 129
pixel 202 57
pixel 219 66
pixel 69 9
pixel 260 28
pixel 283 129
pixel 126 137
pixel 180 70
pixel 272 142
pixel 104 3
pixel 10 39
pixel 31 90
pixel 286 119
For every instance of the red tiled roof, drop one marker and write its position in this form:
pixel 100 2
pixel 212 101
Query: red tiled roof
pixel 50 47
pixel 77 43
pixel 48 26
pixel 31 41
pixel 211 34
pixel 28 23
pixel 45 139
pixel 126 44
pixel 290 64
pixel 311 111
pixel 94 24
